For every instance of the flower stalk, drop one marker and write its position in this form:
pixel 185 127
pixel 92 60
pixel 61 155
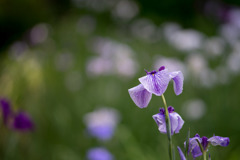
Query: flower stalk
pixel 168 125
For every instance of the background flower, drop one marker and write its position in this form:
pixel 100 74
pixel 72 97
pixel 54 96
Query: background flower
pixel 99 153
pixel 102 122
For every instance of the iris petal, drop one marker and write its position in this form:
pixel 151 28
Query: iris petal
pixel 217 140
pixel 180 122
pixel 156 83
pixel 140 96
pixel 175 119
pixel 181 153
pixel 194 147
pixel 178 81
pixel 160 120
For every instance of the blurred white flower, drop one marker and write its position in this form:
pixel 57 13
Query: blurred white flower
pixel 114 58
pixel 172 64
pixel 17 49
pixel 169 29
pixel 196 63
pixel 233 62
pixel 186 40
pixel 194 109
pixel 125 10
pixel 199 70
pixel 39 33
pixel 144 29
pixel 102 122
pixel 99 66
pixel 230 33
pixel 214 46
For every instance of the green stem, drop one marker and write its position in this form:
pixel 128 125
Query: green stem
pixel 168 125
pixel 204 155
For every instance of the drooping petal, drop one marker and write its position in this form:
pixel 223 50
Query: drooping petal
pixel 178 81
pixel 140 96
pixel 22 122
pixel 176 122
pixel 181 153
pixel 160 120
pixel 217 140
pixel 156 83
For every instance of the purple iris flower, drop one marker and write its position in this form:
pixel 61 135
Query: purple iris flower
pixel 155 82
pixel 99 153
pixel 22 122
pixel 195 149
pixel 175 119
pixel 18 121
pixel 6 109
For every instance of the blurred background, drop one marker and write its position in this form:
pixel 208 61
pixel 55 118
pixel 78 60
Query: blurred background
pixel 69 65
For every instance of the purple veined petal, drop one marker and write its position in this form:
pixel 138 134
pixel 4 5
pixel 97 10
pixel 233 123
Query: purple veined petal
pixel 178 81
pixel 160 120
pixel 140 96
pixel 176 122
pixel 22 122
pixel 217 140
pixel 156 83
pixel 182 157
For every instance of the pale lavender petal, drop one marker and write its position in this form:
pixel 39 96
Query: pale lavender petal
pixel 160 120
pixel 176 122
pixel 103 132
pixel 99 153
pixel 181 153
pixel 156 83
pixel 140 96
pixel 178 81
pixel 217 140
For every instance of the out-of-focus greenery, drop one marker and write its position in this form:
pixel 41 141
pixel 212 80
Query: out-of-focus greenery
pixel 58 93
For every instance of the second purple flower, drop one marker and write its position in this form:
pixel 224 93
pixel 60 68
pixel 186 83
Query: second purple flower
pixel 175 119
